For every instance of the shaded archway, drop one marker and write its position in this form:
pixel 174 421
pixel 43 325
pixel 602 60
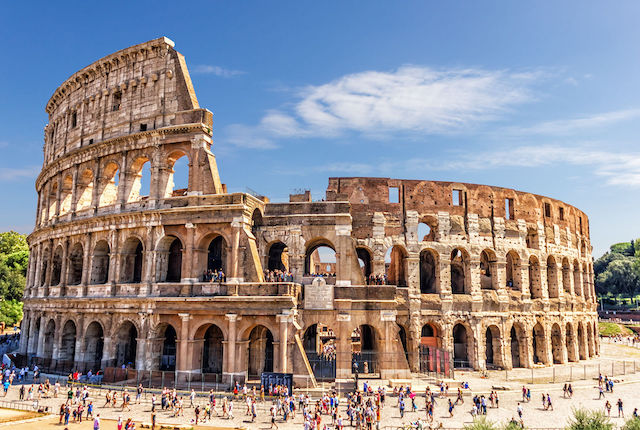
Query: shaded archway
pixel 459 266
pixel 168 357
pixel 76 258
pixel 174 261
pixel 49 335
pixel 493 347
pixel 513 278
pixel 539 345
pixel 44 265
pixel 278 257
pixel 487 269
pixel 556 344
pixel 552 278
pixel 517 343
pixel 590 348
pixel 364 349
pixel 100 263
pixel 428 272
pixel 571 343
pixel 577 283
pixel 566 276
pixel 582 343
pixel 126 345
pixel 260 354
pixel 535 284
pixel 132 259
pixel 67 350
pixel 430 336
pixel 56 269
pixel 460 346
pixel 212 350
pixel 320 259
pixel 396 266
pixel 217 255
pixel 319 342
pixel 364 261
pixel 93 346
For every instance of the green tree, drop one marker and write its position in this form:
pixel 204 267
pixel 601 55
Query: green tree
pixel 632 424
pixel 584 419
pixel 11 242
pixel 620 277
pixel 624 248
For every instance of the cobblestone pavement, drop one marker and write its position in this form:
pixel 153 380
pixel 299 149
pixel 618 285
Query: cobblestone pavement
pixel 585 395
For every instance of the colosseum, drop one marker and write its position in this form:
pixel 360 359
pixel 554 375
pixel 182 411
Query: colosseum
pixel 385 277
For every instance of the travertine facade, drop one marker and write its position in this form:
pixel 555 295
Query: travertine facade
pixel 499 277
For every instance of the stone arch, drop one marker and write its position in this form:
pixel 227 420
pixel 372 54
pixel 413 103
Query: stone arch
pixel 56 269
pixel 513 274
pixel 402 336
pixel 168 337
pixel 260 351
pixel 278 256
pixel 75 262
pixel 169 259
pixel 462 345
pixel 396 265
pixel 138 180
pixel 93 346
pixel 427 228
pixel 178 170
pixel 209 348
pixel 582 343
pixel 571 344
pixel 577 284
pixel 364 261
pixel 217 254
pixel 49 335
pixel 493 346
pixel 428 271
pixel 44 265
pixel 539 344
pixel 431 335
pixel 53 199
pixel 557 346
pixel 518 345
pixel 460 279
pixel 488 269
pixel 67 351
pixel 566 276
pixel 552 278
pixel 126 344
pixel 84 190
pixel 313 260
pixel 364 348
pixel 66 193
pixel 535 282
pixel 108 191
pixel 256 222
pixel 132 258
pixel 100 263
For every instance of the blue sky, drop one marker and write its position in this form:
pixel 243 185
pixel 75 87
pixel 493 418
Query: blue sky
pixel 539 96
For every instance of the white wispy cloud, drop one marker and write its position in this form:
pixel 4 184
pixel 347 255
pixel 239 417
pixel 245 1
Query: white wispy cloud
pixel 206 69
pixel 410 99
pixel 17 173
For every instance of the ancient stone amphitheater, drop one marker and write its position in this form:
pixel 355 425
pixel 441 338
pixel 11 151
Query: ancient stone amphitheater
pixel 398 276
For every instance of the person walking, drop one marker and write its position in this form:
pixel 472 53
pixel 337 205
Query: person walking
pixel 620 409
pixel 607 406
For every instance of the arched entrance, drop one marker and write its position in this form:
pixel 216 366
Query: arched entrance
pixel 131 271
pixel 395 266
pixel 174 261
pixel 539 345
pixel 459 265
pixel 556 344
pixel 517 355
pixel 320 260
pixel 582 343
pixel 67 351
pixel 319 342
pixel 217 255
pixel 571 343
pixel 493 347
pixel 260 354
pixel 212 350
pixel 278 257
pixel 460 346
pixel 76 258
pixel 168 357
pixel 364 357
pixel 364 261
pixel 100 263
pixel 126 345
pixel 93 346
pixel 427 272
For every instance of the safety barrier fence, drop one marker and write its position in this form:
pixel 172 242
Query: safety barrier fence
pixel 567 372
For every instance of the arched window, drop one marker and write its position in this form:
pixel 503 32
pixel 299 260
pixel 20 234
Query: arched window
pixel 217 255
pixel 396 266
pixel 76 258
pixel 320 259
pixel 459 265
pixel 364 261
pixel 139 182
pixel 178 179
pixel 535 285
pixel 100 264
pixel 487 269
pixel 174 265
pixel 278 257
pixel 109 185
pixel 566 276
pixel 85 190
pixel 428 271
pixel 577 284
pixel 513 271
pixel 132 261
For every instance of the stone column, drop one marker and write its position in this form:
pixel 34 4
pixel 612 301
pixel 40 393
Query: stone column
pixel 229 368
pixel 40 342
pixel 107 352
pixel 58 194
pixel 183 344
pixel 113 259
pixel 74 191
pixel 97 183
pixel 141 351
pixel 413 273
pixel 284 340
pixel 236 226
pixel 123 183
pixel 65 264
pixel 38 268
pixel 343 356
pixel 86 263
pixel 524 280
pixel 189 274
pixel 346 261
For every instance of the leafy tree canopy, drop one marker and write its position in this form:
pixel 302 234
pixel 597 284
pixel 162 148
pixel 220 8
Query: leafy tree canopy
pixel 618 271
pixel 14 260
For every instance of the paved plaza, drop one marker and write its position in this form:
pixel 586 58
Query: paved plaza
pixel 585 395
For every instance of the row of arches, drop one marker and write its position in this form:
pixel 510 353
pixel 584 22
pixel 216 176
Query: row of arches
pixel 63 194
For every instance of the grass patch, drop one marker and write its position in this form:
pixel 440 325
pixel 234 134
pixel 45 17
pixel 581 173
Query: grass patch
pixel 613 329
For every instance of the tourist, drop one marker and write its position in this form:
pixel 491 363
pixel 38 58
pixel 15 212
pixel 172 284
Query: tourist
pixel 607 406
pixel 96 422
pixel 519 410
pixel 620 409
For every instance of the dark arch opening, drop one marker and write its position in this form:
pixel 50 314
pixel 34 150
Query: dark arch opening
pixel 320 259
pixel 76 259
pixel 100 264
pixel 364 350
pixel 56 270
pixel 395 265
pixel 212 350
pixel 489 347
pixel 256 222
pixel 556 344
pixel 131 271
pixel 217 255
pixel 538 345
pixel 278 257
pixel 319 342
pixel 49 334
pixel 460 347
pixel 168 357
pixel 427 272
pixel 68 345
pixel 515 349
pixel 174 264
pixel 260 351
pixel 94 344
pixel 458 268
pixel 364 260
pixel 126 345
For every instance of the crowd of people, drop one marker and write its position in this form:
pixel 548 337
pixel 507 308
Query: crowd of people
pixel 377 279
pixel 278 276
pixel 214 276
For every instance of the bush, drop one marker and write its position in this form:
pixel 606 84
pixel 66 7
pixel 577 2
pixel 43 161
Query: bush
pixel 584 419
pixel 481 423
pixel 632 424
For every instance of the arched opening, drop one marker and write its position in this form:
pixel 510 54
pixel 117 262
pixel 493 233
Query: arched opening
pixel 552 277
pixel 109 187
pixel 582 343
pixel 516 355
pixel 278 257
pixel 427 272
pixel 76 258
pixel 67 344
pixel 212 350
pixel 396 266
pixel 577 284
pixel 100 263
pixel 556 344
pixel 85 190
pixel 320 260
pixel 174 261
pixel 56 269
pixel 65 195
pixel 402 334
pixel 364 358
pixel 571 343
pixel 424 232
pixel 590 350
pixel 429 336
pixel 256 222
pixel 460 346
pixel 178 171
pixel 539 345
pixel 319 342
pixel 364 261
pixel 535 286
pixel 49 335
pixel 487 269
pixel 217 255
pixel 513 271
pixel 93 346
pixel 126 345
pixel 168 357
pixel 566 276
pixel 132 259
pixel 44 265
pixel 53 200
pixel 260 351
pixel 493 349
pixel 459 264
pixel 139 183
